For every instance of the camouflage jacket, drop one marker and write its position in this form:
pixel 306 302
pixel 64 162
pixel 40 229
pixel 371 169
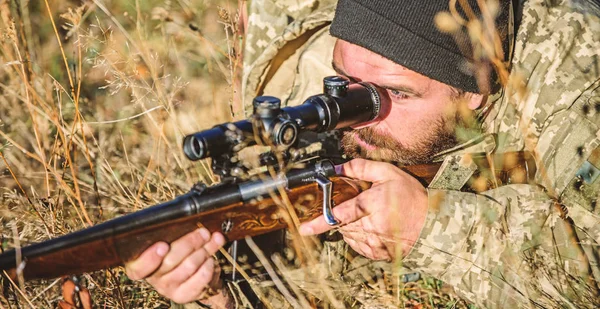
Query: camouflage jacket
pixel 526 245
pixel 513 246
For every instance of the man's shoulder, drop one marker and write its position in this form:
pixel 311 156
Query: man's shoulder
pixel 548 106
pixel 284 39
pixel 558 48
pixel 269 19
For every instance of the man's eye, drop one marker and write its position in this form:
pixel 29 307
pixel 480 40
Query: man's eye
pixel 397 94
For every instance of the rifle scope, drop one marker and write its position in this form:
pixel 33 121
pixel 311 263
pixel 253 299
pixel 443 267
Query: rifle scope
pixel 340 106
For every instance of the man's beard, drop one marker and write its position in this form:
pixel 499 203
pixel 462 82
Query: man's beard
pixel 440 137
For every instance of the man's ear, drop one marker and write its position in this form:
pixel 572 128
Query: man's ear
pixel 475 100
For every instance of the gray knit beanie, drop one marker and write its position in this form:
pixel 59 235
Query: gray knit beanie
pixel 404 31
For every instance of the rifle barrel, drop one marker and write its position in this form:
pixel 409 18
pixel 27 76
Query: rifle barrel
pixel 247 209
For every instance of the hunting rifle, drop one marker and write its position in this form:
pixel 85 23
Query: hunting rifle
pixel 240 205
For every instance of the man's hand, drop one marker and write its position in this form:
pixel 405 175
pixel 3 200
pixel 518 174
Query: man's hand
pixel 183 271
pixel 383 220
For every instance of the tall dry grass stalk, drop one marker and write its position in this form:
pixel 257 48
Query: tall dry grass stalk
pixel 94 101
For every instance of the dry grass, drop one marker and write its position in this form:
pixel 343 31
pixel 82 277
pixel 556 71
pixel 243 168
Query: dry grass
pixel 94 101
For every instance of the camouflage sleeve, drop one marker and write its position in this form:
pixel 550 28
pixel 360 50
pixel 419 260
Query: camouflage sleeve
pixel 508 248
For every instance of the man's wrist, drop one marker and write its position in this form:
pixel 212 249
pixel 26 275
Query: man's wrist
pixel 418 219
pixel 217 299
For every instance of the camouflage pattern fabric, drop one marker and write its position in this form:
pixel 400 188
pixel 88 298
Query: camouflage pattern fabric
pixel 511 247
pixel 288 49
pixel 525 245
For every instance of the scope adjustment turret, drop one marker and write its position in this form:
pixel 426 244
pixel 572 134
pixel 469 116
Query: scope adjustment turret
pixel 336 86
pixel 266 106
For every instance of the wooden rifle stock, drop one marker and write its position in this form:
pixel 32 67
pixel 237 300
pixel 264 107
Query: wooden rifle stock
pixel 71 254
pixel 221 208
pixel 218 208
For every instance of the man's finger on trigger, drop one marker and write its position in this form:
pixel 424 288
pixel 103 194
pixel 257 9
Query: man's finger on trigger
pixel 345 213
pixel 147 262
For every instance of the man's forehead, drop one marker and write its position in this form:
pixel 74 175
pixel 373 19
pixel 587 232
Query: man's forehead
pixel 361 56
pixel 360 63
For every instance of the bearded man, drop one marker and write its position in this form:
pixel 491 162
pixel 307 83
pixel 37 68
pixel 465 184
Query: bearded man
pixel 516 245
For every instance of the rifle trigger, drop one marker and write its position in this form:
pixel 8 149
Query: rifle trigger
pixel 325 185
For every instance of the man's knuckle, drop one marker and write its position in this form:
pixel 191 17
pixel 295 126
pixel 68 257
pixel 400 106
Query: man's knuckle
pixel 201 254
pixel 362 201
pixel 343 217
pixel 210 248
pixel 169 285
pixel 195 239
pixel 169 262
pixel 207 271
pixel 372 242
pixel 132 274
pixel 160 290
pixel 190 265
pixel 180 298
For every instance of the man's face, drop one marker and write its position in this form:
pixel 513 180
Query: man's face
pixel 419 113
